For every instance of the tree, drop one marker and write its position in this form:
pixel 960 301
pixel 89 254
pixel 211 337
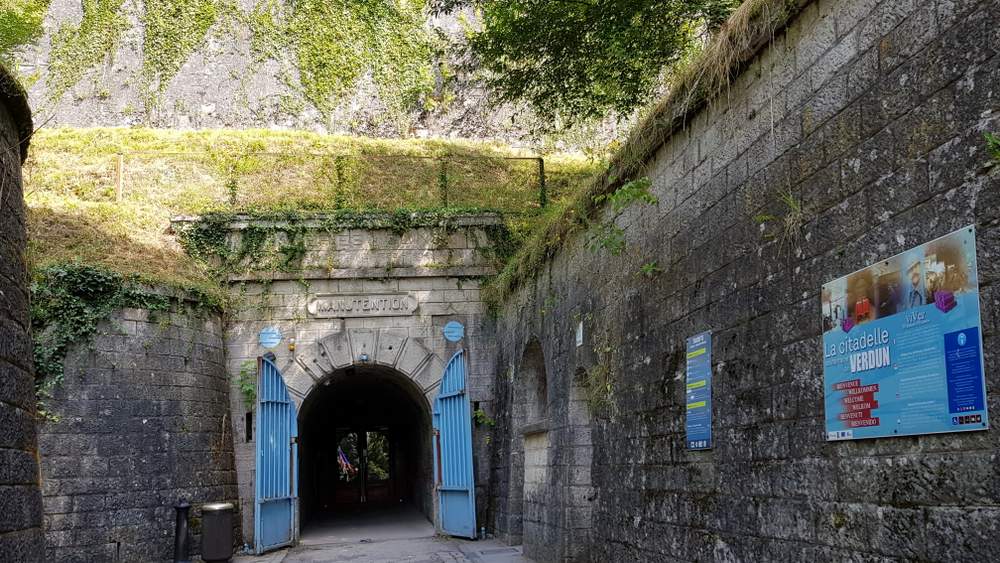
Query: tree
pixel 578 59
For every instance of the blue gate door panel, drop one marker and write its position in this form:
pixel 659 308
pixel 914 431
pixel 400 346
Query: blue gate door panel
pixel 453 452
pixel 277 461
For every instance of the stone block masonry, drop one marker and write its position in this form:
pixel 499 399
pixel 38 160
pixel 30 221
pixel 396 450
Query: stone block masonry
pixel 378 293
pixel 854 134
pixel 20 500
pixel 143 421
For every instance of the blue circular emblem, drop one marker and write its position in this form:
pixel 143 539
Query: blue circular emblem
pixel 270 336
pixel 454 331
pixel 961 339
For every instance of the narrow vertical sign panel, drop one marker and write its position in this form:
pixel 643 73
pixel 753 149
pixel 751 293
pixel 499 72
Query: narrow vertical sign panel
pixel 902 344
pixel 698 395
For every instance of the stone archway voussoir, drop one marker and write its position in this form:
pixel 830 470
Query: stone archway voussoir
pixel 390 347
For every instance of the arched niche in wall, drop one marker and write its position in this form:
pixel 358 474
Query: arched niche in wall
pixel 532 387
pixel 530 478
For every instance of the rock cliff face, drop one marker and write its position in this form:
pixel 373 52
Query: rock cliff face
pixel 385 69
pixel 20 501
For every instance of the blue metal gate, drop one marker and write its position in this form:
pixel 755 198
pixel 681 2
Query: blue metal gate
pixel 277 461
pixel 453 452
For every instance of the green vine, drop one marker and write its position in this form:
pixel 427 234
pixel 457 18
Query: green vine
pixel 635 191
pixel 79 48
pixel 276 241
pixel 333 43
pixel 608 235
pixel 502 242
pixel 273 241
pixel 20 24
pixel 261 246
pixel 172 31
pixel 67 303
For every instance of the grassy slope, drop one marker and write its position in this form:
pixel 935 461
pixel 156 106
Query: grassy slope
pixel 70 185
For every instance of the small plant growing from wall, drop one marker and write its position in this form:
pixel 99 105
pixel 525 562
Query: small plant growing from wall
pixel 650 269
pixel 789 222
pixel 480 418
pixel 993 145
pixel 636 191
pixel 246 380
pixel 608 235
pixel 599 380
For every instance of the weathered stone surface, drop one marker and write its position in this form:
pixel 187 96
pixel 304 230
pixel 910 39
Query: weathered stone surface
pixel 20 498
pixel 134 439
pixel 440 279
pixel 877 135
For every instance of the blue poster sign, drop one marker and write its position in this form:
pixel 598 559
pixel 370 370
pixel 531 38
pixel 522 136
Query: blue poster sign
pixel 269 337
pixel 902 344
pixel 698 394
pixel 454 331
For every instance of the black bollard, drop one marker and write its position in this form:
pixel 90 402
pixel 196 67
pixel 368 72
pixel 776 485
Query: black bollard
pixel 181 545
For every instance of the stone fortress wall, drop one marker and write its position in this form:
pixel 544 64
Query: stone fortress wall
pixel 856 133
pixel 867 115
pixel 143 422
pixel 378 293
pixel 20 501
pixel 150 410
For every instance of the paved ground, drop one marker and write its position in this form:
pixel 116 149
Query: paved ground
pixel 385 536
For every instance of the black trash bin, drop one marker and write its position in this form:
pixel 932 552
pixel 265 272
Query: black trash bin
pixel 217 531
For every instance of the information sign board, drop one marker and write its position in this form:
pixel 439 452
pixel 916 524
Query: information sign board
pixel 698 422
pixel 902 344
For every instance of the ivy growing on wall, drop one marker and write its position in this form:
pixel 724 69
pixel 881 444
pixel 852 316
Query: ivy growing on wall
pixel 325 46
pixel 333 43
pixel 256 249
pixel 79 48
pixel 20 23
pixel 173 30
pixel 276 240
pixel 609 236
pixel 67 303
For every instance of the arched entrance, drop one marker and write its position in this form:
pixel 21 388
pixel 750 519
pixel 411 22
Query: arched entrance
pixel 368 393
pixel 365 453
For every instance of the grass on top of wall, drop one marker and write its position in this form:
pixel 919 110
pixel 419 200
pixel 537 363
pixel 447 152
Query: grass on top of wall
pixel 74 215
